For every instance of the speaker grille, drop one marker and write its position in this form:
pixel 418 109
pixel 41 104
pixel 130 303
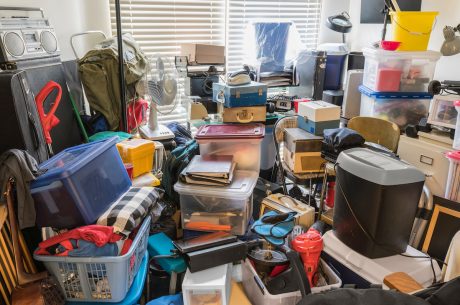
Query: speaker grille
pixel 14 44
pixel 48 41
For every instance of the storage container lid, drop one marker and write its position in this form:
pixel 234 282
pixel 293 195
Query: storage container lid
pixel 382 54
pixel 395 95
pixel 378 168
pixel 230 131
pixel 241 187
pixel 141 146
pixel 70 160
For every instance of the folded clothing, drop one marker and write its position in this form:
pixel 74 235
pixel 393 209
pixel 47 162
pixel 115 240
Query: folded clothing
pixel 130 209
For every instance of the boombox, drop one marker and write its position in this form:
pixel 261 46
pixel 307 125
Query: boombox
pixel 200 85
pixel 24 37
pixel 281 203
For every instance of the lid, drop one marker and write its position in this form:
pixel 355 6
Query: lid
pixel 141 146
pixel 311 241
pixel 394 95
pixel 230 131
pixel 298 134
pixel 453 155
pixel 318 105
pixel 380 53
pixel 70 160
pixel 241 187
pixel 457 103
pixel 378 168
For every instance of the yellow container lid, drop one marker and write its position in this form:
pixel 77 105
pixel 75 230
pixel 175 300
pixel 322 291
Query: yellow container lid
pixel 135 148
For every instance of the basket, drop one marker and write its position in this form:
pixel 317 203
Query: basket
pixel 101 279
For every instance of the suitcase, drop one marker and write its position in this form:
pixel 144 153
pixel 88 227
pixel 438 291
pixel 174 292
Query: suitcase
pixel 244 114
pixel 20 125
pixel 253 94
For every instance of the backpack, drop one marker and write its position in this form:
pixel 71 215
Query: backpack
pixel 99 75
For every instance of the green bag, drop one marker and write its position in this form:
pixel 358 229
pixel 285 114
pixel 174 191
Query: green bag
pixel 99 76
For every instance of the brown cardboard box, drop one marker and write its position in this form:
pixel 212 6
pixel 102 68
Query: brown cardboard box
pixel 303 162
pixel 203 53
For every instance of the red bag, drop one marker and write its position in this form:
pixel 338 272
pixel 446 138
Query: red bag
pixel 137 113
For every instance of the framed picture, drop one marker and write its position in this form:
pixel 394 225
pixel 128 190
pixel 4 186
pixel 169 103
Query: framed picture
pixel 444 224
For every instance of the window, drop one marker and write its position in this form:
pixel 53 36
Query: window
pixel 161 26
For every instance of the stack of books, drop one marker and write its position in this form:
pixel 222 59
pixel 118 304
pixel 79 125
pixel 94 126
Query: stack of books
pixel 209 170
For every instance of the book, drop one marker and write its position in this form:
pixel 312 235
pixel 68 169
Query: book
pixel 209 170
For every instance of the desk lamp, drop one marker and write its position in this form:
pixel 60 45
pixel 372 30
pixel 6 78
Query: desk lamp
pixel 340 23
pixel 451 45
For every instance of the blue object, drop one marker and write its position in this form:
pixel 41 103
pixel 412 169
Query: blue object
pixel 271 45
pixel 135 292
pixel 79 184
pixel 395 95
pixel 176 299
pixel 253 94
pixel 161 244
pixel 334 71
pixel 104 135
pixel 316 128
pixel 83 248
pixel 274 233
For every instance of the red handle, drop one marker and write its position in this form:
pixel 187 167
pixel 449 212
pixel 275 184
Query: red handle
pixel 48 120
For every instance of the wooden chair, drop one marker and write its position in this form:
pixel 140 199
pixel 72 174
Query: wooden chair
pixel 377 130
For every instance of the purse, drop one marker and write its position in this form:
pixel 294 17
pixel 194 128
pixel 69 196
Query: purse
pixel 32 289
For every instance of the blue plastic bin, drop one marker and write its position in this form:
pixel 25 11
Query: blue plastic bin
pixel 79 185
pixel 334 71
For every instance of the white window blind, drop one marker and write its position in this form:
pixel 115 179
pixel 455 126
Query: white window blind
pixel 305 14
pixel 161 26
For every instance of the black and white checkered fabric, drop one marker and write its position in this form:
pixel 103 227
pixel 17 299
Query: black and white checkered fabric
pixel 130 209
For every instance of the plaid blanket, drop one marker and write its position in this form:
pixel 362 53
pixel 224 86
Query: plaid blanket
pixel 130 209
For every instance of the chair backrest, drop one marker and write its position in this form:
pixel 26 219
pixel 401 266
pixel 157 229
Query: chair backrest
pixel 286 122
pixel 8 276
pixel 377 130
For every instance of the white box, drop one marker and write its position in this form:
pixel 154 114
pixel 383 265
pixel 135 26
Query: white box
pixel 211 286
pixel 416 68
pixel 258 294
pixel 319 111
pixel 218 206
pixel 374 271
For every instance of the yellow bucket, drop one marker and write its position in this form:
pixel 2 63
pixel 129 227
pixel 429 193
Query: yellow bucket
pixel 412 29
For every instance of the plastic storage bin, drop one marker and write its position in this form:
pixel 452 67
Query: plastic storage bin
pixel 211 286
pixel 243 142
pixel 139 153
pixel 258 294
pixel 101 279
pixel 415 70
pixel 398 107
pixel 79 185
pixel 336 56
pixel 453 177
pixel 228 208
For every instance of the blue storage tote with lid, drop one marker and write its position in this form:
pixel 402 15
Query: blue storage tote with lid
pixel 402 108
pixel 253 94
pixel 79 185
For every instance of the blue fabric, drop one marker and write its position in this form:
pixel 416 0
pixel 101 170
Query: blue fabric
pixel 274 233
pixel 88 249
pixel 161 244
pixel 271 42
pixel 168 300
pixel 134 293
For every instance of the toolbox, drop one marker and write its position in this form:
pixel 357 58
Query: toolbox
pixel 316 128
pixel 244 114
pixel 139 153
pixel 79 185
pixel 253 94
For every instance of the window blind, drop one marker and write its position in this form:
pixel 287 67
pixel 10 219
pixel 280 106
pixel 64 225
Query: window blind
pixel 161 26
pixel 305 14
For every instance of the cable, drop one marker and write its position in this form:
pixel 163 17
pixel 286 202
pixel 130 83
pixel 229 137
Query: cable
pixel 370 237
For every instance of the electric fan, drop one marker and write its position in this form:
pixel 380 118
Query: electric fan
pixel 160 90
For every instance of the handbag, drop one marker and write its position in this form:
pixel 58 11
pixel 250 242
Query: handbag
pixel 32 289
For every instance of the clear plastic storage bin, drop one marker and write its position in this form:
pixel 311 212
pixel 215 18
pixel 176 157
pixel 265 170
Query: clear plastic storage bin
pixel 242 141
pixel 98 279
pixel 214 208
pixel 400 108
pixel 414 70
pixel 79 185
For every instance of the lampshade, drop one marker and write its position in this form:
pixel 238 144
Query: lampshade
pixel 339 23
pixel 451 45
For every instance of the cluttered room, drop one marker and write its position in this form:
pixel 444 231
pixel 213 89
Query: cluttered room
pixel 230 152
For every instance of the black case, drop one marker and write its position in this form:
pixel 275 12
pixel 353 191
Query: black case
pixel 20 125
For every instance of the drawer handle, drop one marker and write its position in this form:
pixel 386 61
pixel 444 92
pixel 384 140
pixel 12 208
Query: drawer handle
pixel 426 160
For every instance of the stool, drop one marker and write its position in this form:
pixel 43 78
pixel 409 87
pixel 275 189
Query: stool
pixel 135 292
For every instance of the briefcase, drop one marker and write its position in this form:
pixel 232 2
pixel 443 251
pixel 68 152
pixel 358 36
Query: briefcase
pixel 253 94
pixel 244 114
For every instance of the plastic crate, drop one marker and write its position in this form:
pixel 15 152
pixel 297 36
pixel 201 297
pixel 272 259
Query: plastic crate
pixel 79 185
pixel 101 279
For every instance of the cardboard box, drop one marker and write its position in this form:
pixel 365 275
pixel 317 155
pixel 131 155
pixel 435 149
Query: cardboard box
pixel 305 162
pixel 203 53
pixel 319 111
pixel 298 140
